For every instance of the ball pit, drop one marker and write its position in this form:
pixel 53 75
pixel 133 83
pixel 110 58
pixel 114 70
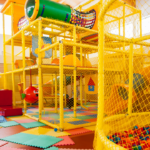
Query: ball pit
pixel 137 138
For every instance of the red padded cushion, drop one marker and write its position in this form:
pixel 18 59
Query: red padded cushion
pixel 10 111
pixel 5 98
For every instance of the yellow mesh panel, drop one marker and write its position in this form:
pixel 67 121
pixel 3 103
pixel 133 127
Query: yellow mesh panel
pixel 125 124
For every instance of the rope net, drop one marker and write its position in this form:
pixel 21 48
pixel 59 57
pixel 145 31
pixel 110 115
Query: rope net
pixel 126 123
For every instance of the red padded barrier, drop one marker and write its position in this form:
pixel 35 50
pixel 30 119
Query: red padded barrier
pixel 5 98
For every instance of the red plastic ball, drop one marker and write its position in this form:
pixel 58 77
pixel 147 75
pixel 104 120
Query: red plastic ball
pixel 31 94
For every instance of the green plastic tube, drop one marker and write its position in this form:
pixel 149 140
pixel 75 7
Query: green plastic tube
pixel 47 9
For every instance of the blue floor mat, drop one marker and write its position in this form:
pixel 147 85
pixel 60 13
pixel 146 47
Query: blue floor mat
pixel 2 119
pixel 78 122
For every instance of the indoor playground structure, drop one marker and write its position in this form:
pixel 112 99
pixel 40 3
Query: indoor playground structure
pixel 82 67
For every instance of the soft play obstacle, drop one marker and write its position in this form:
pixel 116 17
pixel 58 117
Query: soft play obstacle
pixel 30 94
pixel 137 138
pixel 66 141
pixel 41 141
pixel 6 108
pixel 9 124
pixel 2 143
pixel 67 61
pixel 118 99
pixel 32 124
pixel 46 41
pixel 47 9
pixel 22 23
pixel 54 10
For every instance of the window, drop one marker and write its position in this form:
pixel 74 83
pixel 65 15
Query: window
pixel 145 25
pixel 128 31
pixel 7 23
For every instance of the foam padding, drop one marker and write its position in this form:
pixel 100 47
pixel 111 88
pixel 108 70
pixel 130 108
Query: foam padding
pixel 32 124
pixel 78 122
pixel 73 149
pixel 2 143
pixel 78 131
pixel 41 141
pixel 92 128
pixel 66 141
pixel 25 121
pixel 10 148
pixel 19 138
pixel 56 134
pixel 93 116
pixel 37 131
pixel 84 117
pixel 52 148
pixel 2 119
pixel 9 124
pixel 91 120
pixel 18 118
pixel 54 121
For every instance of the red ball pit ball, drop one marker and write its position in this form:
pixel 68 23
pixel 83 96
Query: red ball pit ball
pixel 31 94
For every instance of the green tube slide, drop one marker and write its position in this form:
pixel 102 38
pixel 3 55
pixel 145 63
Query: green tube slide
pixel 47 9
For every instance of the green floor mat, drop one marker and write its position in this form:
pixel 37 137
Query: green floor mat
pixel 52 148
pixel 41 141
pixel 19 138
pixel 84 117
pixel 32 124
pixel 8 124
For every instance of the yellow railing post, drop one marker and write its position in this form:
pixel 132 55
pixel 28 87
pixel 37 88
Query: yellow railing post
pixel 103 10
pixel 75 71
pixel 24 73
pixel 81 98
pixel 81 85
pixel 130 79
pixel 4 53
pixel 85 96
pixel 65 89
pixel 40 69
pixel 61 86
pixel 56 93
pixel 101 74
pixel 12 54
pixel 124 34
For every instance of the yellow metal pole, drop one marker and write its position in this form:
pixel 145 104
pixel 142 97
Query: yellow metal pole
pixel 81 60
pixel 4 53
pixel 140 19
pixel 81 102
pixel 75 71
pixel 24 65
pixel 130 79
pixel 85 96
pixel 12 54
pixel 56 93
pixel 81 79
pixel 65 85
pixel 100 73
pixel 61 86
pixel 65 90
pixel 12 19
pixel 40 69
pixel 55 48
pixel 71 86
pixel 13 76
pixel 124 59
